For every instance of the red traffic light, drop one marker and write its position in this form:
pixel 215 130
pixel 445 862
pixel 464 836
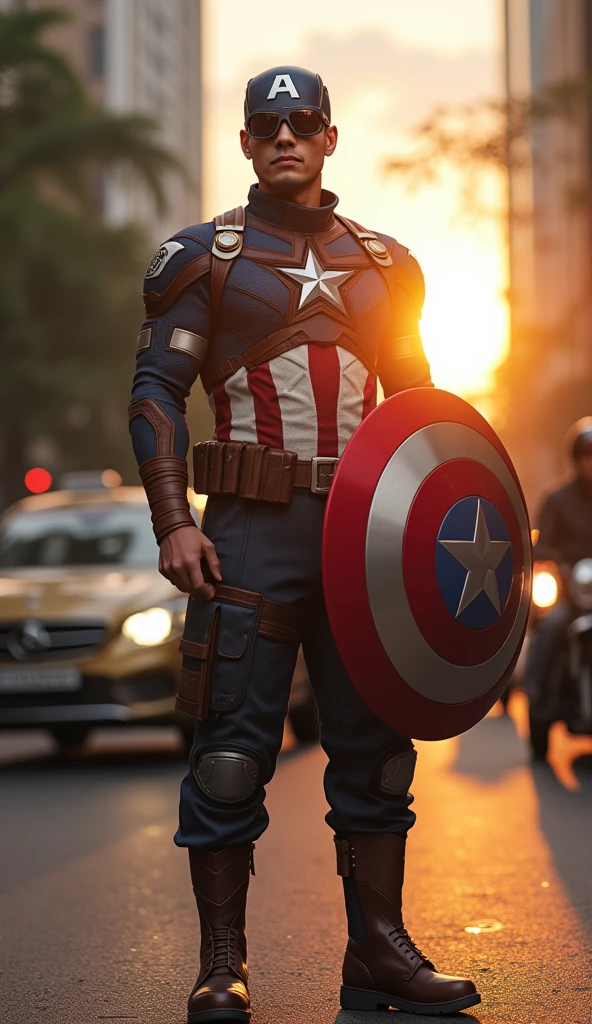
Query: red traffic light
pixel 37 480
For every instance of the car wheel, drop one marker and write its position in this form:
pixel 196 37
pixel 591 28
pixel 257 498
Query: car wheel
pixel 539 736
pixel 304 719
pixel 69 736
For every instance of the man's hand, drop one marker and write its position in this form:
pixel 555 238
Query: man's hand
pixel 181 552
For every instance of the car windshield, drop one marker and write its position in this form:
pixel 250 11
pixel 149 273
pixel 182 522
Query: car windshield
pixel 99 535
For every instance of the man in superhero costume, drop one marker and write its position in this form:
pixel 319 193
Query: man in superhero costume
pixel 289 313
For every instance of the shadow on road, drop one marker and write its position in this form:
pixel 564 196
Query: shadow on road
pixel 494 748
pixel 566 822
pixel 491 750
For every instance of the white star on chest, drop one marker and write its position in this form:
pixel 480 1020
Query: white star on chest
pixel 317 283
pixel 480 557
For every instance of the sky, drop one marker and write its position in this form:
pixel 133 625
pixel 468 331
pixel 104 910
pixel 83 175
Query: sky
pixel 387 64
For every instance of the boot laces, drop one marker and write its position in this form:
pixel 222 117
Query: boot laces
pixel 405 940
pixel 221 951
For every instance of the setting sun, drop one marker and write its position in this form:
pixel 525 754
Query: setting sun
pixel 465 320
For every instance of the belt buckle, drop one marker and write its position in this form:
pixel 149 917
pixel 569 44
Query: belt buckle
pixel 322 473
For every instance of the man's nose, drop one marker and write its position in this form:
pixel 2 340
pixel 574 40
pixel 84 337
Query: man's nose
pixel 285 136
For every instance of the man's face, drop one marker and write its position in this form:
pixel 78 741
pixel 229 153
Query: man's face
pixel 584 467
pixel 287 163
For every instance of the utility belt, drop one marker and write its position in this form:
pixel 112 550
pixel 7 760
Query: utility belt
pixel 258 472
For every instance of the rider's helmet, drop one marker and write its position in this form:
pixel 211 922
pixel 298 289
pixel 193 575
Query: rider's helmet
pixel 579 438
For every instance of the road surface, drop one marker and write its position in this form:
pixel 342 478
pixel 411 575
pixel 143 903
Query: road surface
pixel 96 914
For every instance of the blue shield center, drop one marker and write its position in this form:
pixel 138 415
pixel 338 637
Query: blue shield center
pixel 474 562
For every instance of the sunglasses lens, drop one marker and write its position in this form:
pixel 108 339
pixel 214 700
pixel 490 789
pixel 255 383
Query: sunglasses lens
pixel 306 122
pixel 263 126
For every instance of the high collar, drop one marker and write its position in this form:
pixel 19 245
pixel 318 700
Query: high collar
pixel 291 215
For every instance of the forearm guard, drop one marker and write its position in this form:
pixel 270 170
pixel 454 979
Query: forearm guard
pixel 165 477
pixel 165 481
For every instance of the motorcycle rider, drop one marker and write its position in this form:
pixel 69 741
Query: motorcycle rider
pixel 564 537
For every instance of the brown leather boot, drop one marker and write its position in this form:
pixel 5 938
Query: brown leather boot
pixel 220 882
pixel 382 966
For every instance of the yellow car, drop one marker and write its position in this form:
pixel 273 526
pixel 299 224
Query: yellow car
pixel 89 629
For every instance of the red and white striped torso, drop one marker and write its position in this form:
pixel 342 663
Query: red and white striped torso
pixel 308 400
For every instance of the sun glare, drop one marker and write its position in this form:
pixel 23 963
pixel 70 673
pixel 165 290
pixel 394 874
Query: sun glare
pixel 464 325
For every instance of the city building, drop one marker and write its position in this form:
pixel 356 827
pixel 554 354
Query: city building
pixel 548 43
pixel 141 56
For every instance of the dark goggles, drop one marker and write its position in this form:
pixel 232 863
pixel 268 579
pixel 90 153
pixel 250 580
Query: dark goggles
pixel 267 123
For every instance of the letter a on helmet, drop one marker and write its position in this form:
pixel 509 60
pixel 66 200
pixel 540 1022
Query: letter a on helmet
pixel 427 563
pixel 283 83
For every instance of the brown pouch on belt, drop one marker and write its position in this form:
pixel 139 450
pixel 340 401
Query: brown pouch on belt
pixel 248 470
pixel 267 474
pixel 231 467
pixel 250 484
pixel 279 476
pixel 193 698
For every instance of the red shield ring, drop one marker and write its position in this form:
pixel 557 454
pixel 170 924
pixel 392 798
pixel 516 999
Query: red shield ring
pixel 427 563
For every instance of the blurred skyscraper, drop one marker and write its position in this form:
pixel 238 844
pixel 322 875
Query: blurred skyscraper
pixel 142 56
pixel 550 42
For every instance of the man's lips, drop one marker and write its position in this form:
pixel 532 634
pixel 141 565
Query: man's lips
pixel 287 160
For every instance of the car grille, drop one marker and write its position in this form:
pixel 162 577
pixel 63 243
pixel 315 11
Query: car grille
pixel 37 641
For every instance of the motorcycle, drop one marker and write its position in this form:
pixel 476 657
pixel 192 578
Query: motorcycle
pixel 566 694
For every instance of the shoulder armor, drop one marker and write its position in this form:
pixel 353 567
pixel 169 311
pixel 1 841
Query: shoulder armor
pixel 370 241
pixel 176 264
pixel 387 252
pixel 409 270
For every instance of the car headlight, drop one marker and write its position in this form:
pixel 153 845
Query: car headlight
pixel 153 626
pixel 581 583
pixel 544 589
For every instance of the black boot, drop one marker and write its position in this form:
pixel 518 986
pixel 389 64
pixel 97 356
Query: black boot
pixel 220 882
pixel 382 966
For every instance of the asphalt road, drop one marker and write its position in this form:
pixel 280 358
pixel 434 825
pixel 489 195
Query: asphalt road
pixel 96 915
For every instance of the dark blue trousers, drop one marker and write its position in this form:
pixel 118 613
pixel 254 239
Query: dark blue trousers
pixel 275 550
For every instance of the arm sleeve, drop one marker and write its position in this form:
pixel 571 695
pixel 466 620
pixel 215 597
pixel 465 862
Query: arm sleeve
pixel 171 349
pixel 548 543
pixel 402 362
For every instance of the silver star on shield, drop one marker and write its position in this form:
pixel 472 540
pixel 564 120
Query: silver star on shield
pixel 480 557
pixel 316 282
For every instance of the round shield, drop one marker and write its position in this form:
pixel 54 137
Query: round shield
pixel 427 563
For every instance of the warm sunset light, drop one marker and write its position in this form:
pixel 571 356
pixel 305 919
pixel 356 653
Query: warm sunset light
pixel 465 324
pixel 465 321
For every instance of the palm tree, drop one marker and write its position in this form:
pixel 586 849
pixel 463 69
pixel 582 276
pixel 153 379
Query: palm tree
pixel 68 281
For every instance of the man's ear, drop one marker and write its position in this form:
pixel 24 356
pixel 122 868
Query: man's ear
pixel 330 139
pixel 245 141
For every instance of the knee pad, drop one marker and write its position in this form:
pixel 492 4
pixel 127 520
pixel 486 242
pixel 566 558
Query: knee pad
pixel 396 772
pixel 226 776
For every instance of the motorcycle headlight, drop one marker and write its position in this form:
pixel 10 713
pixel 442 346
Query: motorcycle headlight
pixel 544 589
pixel 581 583
pixel 153 626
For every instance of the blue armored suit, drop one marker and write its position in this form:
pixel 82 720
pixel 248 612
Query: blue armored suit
pixel 292 316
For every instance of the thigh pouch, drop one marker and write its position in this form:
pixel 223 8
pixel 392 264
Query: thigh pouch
pixel 218 639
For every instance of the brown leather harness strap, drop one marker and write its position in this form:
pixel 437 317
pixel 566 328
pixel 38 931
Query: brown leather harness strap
pixel 233 221
pixel 293 335
pixel 274 345
pixel 276 621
